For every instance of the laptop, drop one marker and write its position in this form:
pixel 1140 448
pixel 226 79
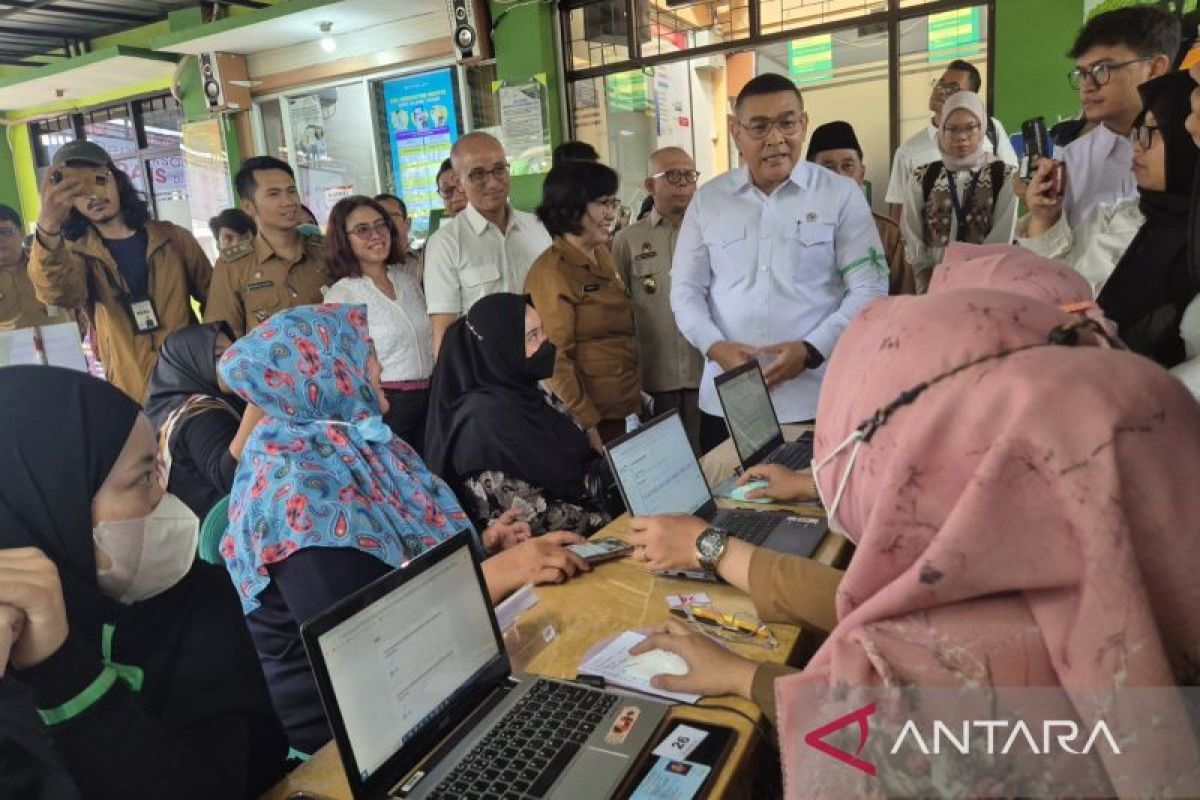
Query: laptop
pixel 658 473
pixel 753 426
pixel 422 702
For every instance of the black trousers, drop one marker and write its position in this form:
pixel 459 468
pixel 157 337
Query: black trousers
pixel 406 417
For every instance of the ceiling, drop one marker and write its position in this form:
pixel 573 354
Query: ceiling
pixel 111 67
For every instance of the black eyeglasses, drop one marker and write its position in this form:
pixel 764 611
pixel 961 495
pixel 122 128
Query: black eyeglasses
pixel 1100 73
pixel 365 231
pixel 449 191
pixel 759 127
pixel 679 177
pixel 478 177
pixel 1143 135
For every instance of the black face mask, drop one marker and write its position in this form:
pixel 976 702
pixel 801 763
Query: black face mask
pixel 540 365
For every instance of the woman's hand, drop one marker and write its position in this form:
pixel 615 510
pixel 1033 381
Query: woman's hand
pixel 594 440
pixel 1043 197
pixel 712 669
pixel 29 584
pixel 782 483
pixel 543 559
pixel 667 541
pixel 508 530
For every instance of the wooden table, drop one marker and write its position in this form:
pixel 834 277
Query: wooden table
pixel 616 596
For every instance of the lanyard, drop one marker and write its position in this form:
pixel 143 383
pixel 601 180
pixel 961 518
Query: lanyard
pixel 960 211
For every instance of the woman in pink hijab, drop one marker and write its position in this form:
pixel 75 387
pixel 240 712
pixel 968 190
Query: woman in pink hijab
pixel 1011 269
pixel 1021 520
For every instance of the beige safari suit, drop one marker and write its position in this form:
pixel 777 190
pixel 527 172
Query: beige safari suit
pixel 251 282
pixel 19 306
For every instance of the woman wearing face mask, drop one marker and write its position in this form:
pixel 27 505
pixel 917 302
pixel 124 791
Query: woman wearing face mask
pixel 201 425
pixel 133 652
pixel 1134 251
pixel 493 433
pixel 327 499
pixel 967 196
pixel 365 251
pixel 583 303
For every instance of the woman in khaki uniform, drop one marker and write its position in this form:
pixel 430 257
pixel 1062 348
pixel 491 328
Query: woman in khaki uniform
pixel 583 303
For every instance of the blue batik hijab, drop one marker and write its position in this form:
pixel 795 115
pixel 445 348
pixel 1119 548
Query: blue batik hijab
pixel 322 470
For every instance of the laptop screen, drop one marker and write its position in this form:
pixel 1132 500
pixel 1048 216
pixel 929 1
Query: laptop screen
pixel 748 413
pixel 658 471
pixel 399 661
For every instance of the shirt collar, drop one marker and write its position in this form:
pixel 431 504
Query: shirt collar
pixel 800 176
pixel 479 223
pixel 656 217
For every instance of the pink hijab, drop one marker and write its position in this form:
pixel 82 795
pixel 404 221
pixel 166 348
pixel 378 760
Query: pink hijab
pixel 1030 521
pixel 1012 269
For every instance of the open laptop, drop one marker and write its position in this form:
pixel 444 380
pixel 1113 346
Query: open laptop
pixel 753 425
pixel 420 696
pixel 658 473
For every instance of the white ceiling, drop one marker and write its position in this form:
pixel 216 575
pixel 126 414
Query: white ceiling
pixel 299 27
pixel 122 69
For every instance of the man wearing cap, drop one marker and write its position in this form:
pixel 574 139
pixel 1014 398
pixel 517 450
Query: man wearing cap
pixel 835 147
pixel 96 248
pixel 671 367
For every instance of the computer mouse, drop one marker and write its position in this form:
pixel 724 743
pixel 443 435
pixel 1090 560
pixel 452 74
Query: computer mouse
pixel 654 662
pixel 740 492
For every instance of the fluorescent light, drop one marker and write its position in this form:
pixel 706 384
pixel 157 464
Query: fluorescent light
pixel 328 43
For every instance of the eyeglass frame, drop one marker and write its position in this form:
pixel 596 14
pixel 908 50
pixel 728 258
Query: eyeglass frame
pixel 945 87
pixel 1080 74
pixel 965 131
pixel 479 176
pixel 446 194
pixel 772 123
pixel 686 176
pixel 364 231
pixel 612 203
pixel 1135 136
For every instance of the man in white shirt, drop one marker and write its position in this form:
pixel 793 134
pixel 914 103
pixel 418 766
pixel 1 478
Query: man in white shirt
pixel 489 247
pixel 923 149
pixel 773 260
pixel 1114 53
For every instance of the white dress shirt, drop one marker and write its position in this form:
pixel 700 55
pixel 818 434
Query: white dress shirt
pixel 1099 169
pixel 923 149
pixel 1094 246
pixel 470 258
pixel 795 265
pixel 400 328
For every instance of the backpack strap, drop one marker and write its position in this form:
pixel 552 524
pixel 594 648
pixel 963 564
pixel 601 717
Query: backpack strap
pixel 999 172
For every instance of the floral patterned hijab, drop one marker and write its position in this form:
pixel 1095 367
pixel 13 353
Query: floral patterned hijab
pixel 321 470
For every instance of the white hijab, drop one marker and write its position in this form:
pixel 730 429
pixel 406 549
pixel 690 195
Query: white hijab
pixel 968 101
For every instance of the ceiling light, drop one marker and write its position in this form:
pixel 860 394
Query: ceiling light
pixel 328 44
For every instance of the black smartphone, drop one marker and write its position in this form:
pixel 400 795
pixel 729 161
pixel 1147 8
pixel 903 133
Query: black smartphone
pixel 683 763
pixel 1033 133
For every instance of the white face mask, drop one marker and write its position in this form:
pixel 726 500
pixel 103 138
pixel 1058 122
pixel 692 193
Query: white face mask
pixel 148 555
pixel 855 438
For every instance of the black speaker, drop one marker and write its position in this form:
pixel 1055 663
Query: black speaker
pixel 470 29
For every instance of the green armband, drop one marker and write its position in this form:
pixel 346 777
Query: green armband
pixel 82 701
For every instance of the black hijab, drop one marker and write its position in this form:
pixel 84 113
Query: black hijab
pixel 186 367
pixel 1153 282
pixel 486 411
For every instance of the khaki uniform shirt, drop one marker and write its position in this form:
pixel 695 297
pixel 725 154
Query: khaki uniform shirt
pixel 900 275
pixel 83 274
pixel 643 254
pixel 588 316
pixel 19 306
pixel 251 282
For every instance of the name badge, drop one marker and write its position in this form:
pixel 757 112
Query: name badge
pixel 144 315
pixel 645 254
pixel 250 287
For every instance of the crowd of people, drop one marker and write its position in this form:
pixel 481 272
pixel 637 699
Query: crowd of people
pixel 992 391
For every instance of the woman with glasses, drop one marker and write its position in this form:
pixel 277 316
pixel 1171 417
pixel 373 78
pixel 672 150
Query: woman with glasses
pixel 966 196
pixel 583 302
pixel 365 253
pixel 1134 251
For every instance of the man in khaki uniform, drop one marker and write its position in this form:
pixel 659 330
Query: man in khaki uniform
pixel 671 367
pixel 97 249
pixel 19 306
pixel 835 147
pixel 280 268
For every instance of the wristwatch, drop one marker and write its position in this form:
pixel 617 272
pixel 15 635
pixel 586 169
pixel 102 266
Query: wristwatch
pixel 710 548
pixel 814 358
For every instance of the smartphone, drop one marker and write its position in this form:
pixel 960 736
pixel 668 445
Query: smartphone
pixel 684 764
pixel 94 180
pixel 604 549
pixel 1033 133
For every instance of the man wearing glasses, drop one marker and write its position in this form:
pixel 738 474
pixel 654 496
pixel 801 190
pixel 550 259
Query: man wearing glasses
pixel 1114 53
pixel 922 148
pixel 19 307
pixel 643 251
pixel 773 260
pixel 485 249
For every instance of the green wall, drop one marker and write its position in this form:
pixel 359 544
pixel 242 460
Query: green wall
pixel 1031 65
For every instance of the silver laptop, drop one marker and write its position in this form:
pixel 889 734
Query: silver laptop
pixel 658 473
pixel 752 422
pixel 422 703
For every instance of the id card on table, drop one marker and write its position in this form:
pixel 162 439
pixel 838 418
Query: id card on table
pixel 671 780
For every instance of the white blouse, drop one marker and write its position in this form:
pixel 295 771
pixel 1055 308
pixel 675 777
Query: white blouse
pixel 401 329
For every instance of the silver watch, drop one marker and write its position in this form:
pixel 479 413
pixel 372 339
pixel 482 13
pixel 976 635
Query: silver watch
pixel 710 548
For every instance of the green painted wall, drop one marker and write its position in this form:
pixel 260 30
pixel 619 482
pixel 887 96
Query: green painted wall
pixel 524 45
pixel 1031 65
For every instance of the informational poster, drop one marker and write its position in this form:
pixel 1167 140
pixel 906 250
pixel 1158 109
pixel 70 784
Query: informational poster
pixel 524 124
pixel 422 127
pixel 206 167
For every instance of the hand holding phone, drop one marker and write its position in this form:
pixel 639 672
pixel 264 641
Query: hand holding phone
pixel 60 188
pixel 1044 196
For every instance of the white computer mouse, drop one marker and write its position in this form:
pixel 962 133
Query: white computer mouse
pixel 655 662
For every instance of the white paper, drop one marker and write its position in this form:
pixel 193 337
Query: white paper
pixel 17 347
pixel 680 744
pixel 63 346
pixel 609 663
pixel 507 612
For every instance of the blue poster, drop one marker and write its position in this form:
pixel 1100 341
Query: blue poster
pixel 422 126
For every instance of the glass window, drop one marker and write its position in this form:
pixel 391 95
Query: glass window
pixel 485 103
pixel 668 27
pixel 111 128
pixel 598 34
pixel 48 136
pixel 272 125
pixel 927 45
pixel 333 147
pixel 782 15
pixel 162 123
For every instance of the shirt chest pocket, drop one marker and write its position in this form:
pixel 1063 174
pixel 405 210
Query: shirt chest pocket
pixel 810 248
pixel 731 248
pixel 263 297
pixel 476 275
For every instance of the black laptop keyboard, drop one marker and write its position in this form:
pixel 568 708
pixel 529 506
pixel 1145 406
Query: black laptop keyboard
pixel 531 745
pixel 749 526
pixel 796 455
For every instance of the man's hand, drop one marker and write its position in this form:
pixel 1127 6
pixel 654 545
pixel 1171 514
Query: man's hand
pixel 29 583
pixel 508 530
pixel 789 362
pixel 58 199
pixel 543 559
pixel 667 541
pixel 712 670
pixel 782 483
pixel 12 622
pixel 1044 202
pixel 731 355
pixel 593 437
pixel 1020 187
